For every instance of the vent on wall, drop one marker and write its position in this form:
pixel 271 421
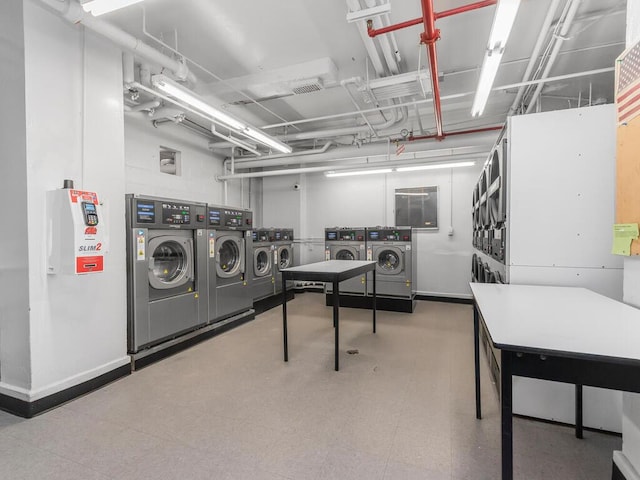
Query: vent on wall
pixel 170 161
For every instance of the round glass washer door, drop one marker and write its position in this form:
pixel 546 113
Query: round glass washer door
pixel 170 264
pixel 284 258
pixel 389 262
pixel 262 262
pixel 345 255
pixel 229 257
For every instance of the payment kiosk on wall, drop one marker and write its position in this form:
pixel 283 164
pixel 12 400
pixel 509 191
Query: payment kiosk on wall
pixel 76 232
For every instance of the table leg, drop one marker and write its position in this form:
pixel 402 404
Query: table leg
pixel 336 321
pixel 284 319
pixel 579 411
pixel 506 411
pixel 374 301
pixel 476 354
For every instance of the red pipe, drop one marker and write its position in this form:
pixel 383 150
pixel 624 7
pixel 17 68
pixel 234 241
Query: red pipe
pixel 465 8
pixel 373 32
pixel 429 37
pixel 460 132
pixel 391 28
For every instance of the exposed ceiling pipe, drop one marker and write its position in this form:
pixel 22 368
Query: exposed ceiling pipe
pixel 128 67
pixel 360 157
pixel 151 105
pixel 372 51
pixel 400 114
pixel 326 168
pixel 566 26
pixel 452 134
pixel 252 162
pixel 385 45
pixel 429 37
pixel 544 31
pixel 470 143
pixel 72 11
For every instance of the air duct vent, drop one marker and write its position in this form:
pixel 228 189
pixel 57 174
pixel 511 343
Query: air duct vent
pixel 307 86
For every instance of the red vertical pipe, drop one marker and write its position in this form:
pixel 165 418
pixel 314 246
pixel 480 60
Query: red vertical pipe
pixel 429 37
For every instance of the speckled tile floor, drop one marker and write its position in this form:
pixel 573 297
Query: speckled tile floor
pixel 230 408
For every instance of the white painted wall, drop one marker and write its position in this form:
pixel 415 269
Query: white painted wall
pixel 74 129
pixel 368 201
pixel 199 165
pixel 631 401
pixel 14 276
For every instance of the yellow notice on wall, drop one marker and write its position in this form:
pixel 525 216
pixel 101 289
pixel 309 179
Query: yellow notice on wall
pixel 623 235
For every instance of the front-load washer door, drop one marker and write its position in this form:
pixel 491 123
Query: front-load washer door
pixel 262 262
pixel 345 253
pixel 229 256
pixel 390 260
pixel 285 257
pixel 171 262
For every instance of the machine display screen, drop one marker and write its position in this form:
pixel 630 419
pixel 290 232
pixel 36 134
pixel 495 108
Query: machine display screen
pixel 214 217
pixel 374 235
pixel 175 214
pixel 332 235
pixel 233 218
pixel 145 212
pixel 255 235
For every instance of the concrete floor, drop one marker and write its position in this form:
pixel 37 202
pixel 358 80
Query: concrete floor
pixel 230 408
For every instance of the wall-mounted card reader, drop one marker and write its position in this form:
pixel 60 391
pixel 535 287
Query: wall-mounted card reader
pixel 76 232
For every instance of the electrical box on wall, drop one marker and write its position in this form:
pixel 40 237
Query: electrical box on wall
pixel 76 232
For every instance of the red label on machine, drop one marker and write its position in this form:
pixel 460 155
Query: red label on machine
pixel 89 264
pixel 91 197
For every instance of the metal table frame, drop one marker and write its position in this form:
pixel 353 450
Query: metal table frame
pixel 616 373
pixel 331 271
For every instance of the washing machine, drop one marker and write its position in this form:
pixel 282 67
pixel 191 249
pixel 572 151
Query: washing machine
pixel 263 281
pixel 393 250
pixel 346 243
pixel 166 269
pixel 283 253
pixel 497 199
pixel 230 261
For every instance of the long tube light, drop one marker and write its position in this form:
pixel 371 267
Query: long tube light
pixel 100 7
pixel 177 91
pixel 348 173
pixel 503 20
pixel 435 166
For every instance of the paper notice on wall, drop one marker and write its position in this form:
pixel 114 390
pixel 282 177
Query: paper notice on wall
pixel 623 235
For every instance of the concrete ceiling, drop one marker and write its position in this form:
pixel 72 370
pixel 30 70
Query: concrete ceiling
pixel 264 48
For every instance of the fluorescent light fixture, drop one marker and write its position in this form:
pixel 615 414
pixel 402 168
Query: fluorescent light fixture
pixel 99 7
pixel 435 166
pixel 349 173
pixel 177 91
pixel 502 23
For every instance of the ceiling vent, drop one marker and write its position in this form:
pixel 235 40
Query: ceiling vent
pixel 307 86
pixel 412 84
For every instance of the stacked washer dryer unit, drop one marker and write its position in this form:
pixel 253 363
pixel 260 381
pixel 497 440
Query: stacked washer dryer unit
pixel 283 253
pixel 489 215
pixel 263 281
pixel 166 270
pixel 346 243
pixel 393 249
pixel 229 266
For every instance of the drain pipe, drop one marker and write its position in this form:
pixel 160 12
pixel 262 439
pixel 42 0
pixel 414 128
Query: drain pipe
pixel 546 25
pixel 566 26
pixel 72 11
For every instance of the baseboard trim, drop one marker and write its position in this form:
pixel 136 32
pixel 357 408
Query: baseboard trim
pixel 271 301
pixel 151 355
pixel 27 409
pixel 622 469
pixel 568 425
pixel 437 298
pixel 390 304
